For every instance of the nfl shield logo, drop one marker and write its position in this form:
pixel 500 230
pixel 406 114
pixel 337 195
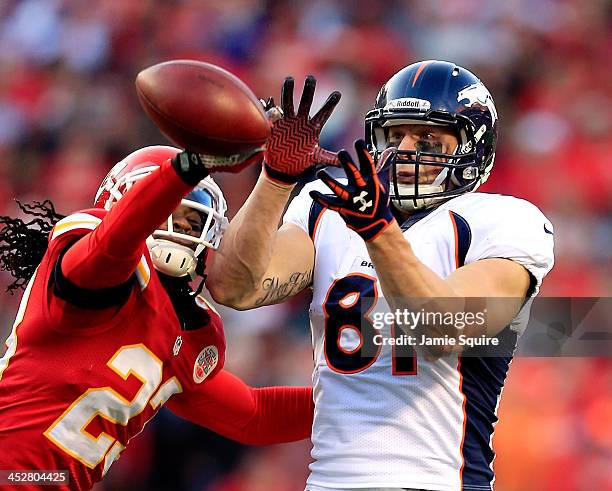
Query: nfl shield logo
pixel 205 363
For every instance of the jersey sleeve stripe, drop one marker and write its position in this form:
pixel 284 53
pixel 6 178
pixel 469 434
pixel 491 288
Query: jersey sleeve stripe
pixel 143 273
pixel 74 222
pixel 463 237
pixel 314 217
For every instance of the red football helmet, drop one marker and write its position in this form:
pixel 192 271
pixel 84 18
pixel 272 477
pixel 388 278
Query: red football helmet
pixel 169 256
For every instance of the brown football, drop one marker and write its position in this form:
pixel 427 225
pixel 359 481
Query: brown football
pixel 203 108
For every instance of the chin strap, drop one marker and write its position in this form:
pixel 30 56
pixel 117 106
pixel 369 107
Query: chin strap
pixel 189 314
pixel 200 287
pixel 199 270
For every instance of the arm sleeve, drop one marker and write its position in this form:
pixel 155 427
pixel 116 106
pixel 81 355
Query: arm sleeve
pixel 269 415
pixel 517 230
pixel 108 256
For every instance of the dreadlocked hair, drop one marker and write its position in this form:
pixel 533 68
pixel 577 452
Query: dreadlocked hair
pixel 23 244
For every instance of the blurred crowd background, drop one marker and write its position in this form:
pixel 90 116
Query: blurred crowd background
pixel 68 112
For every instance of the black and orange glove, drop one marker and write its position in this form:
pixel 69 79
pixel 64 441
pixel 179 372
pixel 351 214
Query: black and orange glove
pixel 363 203
pixel 293 146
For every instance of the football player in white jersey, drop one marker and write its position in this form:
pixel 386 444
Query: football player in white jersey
pixel 405 224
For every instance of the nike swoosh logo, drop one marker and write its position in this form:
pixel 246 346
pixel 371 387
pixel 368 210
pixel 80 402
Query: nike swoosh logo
pixel 548 231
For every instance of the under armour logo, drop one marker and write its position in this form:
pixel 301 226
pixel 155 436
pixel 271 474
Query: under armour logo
pixel 362 199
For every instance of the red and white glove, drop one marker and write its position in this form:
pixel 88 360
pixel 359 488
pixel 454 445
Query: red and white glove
pixel 293 146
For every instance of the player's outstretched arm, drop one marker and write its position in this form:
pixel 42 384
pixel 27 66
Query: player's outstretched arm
pixel 248 415
pixel 108 256
pixel 404 277
pixel 257 263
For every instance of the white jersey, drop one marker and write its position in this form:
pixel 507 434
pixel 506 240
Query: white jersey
pixel 396 421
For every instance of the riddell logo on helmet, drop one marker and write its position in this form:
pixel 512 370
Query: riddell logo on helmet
pixel 409 103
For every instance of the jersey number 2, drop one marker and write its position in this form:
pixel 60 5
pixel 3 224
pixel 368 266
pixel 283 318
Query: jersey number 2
pixel 69 431
pixel 347 306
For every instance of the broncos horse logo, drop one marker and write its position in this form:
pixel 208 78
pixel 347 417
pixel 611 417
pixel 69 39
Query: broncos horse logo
pixel 478 94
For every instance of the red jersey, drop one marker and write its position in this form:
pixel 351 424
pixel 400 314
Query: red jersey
pixel 76 385
pixel 99 345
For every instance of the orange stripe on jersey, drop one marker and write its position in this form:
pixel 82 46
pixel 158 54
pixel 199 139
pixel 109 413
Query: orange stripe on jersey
pixel 143 274
pixel 419 71
pixel 73 222
pixel 83 223
pixel 452 217
pixel 464 420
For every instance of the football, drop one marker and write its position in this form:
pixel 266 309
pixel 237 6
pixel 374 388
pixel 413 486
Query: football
pixel 203 108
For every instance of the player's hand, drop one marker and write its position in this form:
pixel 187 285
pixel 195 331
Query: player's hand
pixel 190 167
pixel 293 146
pixel 363 202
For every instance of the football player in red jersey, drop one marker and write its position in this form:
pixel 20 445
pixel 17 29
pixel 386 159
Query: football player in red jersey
pixel 109 329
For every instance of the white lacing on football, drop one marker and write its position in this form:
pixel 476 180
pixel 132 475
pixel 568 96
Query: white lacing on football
pixel 223 160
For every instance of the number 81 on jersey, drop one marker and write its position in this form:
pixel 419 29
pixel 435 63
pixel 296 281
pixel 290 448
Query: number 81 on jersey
pixel 347 305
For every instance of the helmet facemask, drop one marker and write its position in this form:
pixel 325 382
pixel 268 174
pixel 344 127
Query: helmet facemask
pixel 448 174
pixel 180 254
